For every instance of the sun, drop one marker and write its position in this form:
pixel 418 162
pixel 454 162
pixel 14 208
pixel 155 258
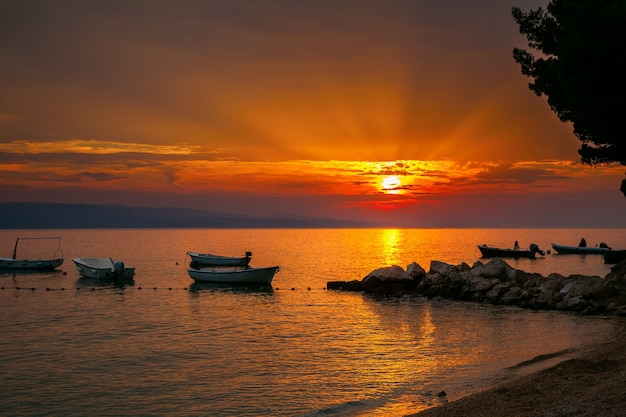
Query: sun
pixel 390 184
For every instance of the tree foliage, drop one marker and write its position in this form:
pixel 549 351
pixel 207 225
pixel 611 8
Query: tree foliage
pixel 580 65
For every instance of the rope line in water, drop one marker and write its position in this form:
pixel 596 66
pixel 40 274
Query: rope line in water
pixel 293 271
pixel 101 288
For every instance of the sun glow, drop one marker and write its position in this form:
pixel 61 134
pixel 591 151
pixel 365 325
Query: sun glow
pixel 391 184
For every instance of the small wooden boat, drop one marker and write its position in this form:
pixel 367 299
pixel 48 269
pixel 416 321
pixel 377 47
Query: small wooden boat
pixel 234 275
pixel 563 249
pixel 16 263
pixel 103 268
pixel 199 259
pixel 494 252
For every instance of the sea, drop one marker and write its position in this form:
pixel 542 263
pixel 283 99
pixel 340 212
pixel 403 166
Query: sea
pixel 166 346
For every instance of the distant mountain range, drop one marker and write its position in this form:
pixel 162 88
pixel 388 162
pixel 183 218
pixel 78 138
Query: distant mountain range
pixel 29 215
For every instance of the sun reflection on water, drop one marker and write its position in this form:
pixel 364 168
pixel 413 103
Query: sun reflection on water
pixel 391 240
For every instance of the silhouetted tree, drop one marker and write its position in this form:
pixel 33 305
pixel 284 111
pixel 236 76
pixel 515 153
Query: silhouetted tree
pixel 581 69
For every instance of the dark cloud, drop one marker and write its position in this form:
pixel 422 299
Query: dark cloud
pixel 507 173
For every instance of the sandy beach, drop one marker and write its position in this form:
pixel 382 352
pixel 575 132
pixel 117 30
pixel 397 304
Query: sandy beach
pixel 593 384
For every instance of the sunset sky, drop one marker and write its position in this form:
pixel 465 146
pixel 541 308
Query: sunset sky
pixel 410 112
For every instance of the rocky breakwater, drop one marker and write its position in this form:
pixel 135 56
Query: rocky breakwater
pixel 496 282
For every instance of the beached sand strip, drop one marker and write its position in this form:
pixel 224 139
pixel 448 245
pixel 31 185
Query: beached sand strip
pixel 592 384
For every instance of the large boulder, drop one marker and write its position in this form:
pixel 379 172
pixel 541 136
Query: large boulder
pixel 415 272
pixel 392 280
pixel 386 273
pixel 496 268
pixel 579 285
pixel 442 268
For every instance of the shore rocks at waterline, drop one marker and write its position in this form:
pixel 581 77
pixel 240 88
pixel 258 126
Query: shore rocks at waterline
pixel 496 282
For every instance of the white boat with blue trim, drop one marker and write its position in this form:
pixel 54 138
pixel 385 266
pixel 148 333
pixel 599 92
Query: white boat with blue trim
pixel 601 249
pixel 234 275
pixel 219 260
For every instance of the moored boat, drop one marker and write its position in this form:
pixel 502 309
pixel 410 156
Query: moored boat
pixel 564 249
pixel 103 268
pixel 495 252
pixel 218 260
pixel 16 263
pixel 614 256
pixel 234 275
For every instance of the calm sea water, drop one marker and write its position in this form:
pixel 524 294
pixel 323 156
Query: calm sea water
pixel 166 346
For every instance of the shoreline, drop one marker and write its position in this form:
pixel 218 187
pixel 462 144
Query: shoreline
pixel 590 383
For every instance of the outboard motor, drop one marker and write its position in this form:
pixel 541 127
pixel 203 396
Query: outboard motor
pixel 533 247
pixel 118 267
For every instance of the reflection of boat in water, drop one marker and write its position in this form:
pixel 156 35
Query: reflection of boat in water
pixel 234 275
pixel 25 272
pixel 565 250
pixel 83 282
pixel 32 264
pixel 198 287
pixel 218 260
pixel 494 252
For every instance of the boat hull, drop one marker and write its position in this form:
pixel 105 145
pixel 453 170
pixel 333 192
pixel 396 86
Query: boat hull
pixel 564 250
pixel 218 260
pixel 25 264
pixel 235 276
pixel 102 268
pixel 492 252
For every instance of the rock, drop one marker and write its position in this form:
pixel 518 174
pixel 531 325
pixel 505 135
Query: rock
pixel 577 303
pixel 415 272
pixel 550 288
pixel 496 268
pixel 481 283
pixel 496 282
pixel 386 273
pixel 587 287
pixel 392 280
pixel 442 268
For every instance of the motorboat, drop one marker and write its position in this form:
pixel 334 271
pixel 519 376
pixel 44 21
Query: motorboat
pixel 218 260
pixel 563 249
pixel 495 252
pixel 103 268
pixel 614 256
pixel 245 275
pixel 16 263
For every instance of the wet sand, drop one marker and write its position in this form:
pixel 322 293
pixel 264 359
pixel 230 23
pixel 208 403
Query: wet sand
pixel 593 384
